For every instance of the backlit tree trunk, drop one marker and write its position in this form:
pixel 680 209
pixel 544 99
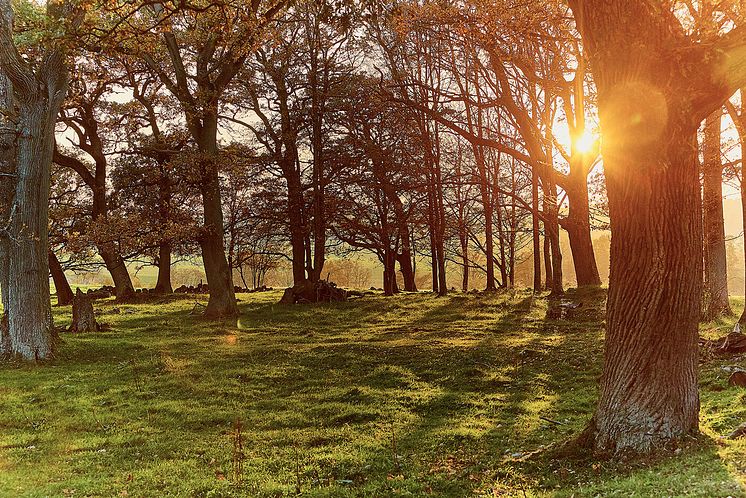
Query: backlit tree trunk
pixel 715 293
pixel 578 227
pixel 650 106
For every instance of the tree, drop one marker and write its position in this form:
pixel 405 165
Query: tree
pixel 32 93
pixel 197 51
pixel 655 85
pixel 86 113
pixel 715 293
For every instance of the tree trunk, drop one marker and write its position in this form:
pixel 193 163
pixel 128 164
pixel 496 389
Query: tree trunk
pixel 552 232
pixel 389 273
pixel 163 285
pixel 117 268
pixel 61 285
pixel 649 385
pixel 7 195
pixel 295 218
pixel 407 272
pixel 84 319
pixel 650 106
pixel 535 229
pixel 29 312
pixel 222 301
pixel 578 226
pixel 715 293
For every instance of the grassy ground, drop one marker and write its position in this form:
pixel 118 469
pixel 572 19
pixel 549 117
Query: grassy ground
pixel 405 396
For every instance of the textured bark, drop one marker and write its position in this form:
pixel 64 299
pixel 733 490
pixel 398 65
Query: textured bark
pixel 61 285
pixel 715 293
pixel 649 385
pixel 117 268
pixel 84 319
pixel 650 106
pixel 7 194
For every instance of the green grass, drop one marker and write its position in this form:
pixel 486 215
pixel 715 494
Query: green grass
pixel 405 396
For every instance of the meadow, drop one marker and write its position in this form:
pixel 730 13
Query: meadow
pixel 467 395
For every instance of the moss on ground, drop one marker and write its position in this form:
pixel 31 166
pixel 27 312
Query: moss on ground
pixel 407 396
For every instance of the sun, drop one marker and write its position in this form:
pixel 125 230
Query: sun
pixel 585 142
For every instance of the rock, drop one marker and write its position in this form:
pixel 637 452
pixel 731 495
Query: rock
pixel 737 378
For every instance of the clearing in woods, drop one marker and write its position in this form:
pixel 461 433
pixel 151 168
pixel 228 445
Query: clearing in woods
pixel 406 396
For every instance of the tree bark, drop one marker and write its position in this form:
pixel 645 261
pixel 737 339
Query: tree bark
pixel 29 313
pixel 61 285
pixel 117 268
pixel 650 106
pixel 649 385
pixel 715 294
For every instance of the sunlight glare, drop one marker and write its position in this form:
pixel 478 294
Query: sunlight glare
pixel 585 142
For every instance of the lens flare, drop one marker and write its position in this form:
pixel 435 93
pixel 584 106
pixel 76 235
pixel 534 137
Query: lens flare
pixel 585 143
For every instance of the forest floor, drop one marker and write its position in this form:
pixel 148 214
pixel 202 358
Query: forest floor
pixel 407 396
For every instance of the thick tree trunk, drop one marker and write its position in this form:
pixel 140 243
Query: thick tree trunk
pixel 28 309
pixel 650 106
pixel 61 285
pixel 84 318
pixel 649 385
pixel 163 285
pixel 742 319
pixel 7 196
pixel 407 272
pixel 715 294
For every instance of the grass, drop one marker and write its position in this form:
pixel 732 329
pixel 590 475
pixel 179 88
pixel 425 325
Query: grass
pixel 405 396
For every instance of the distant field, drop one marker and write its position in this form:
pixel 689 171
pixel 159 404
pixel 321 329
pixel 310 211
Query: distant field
pixel 405 396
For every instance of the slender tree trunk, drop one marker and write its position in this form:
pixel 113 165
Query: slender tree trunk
pixel 295 218
pixel 578 226
pixel 535 229
pixel 552 231
pixel 715 294
pixel 163 285
pixel 61 285
pixel 547 258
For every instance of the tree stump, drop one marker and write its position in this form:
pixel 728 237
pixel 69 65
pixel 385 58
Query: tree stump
pixel 314 292
pixel 84 320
